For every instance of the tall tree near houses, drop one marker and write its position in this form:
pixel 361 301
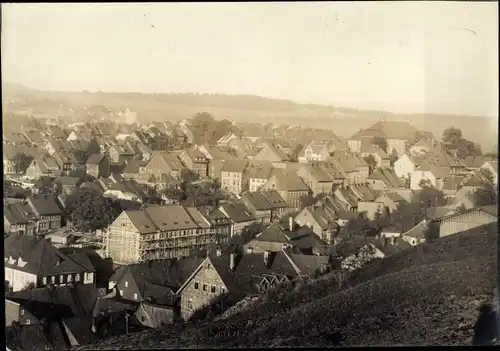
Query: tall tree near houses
pixel 393 157
pixel 381 142
pixel 372 163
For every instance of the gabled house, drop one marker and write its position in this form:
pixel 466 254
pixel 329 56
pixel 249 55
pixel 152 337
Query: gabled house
pixel 48 213
pixel 390 200
pixel 98 166
pixel 318 178
pixel 162 162
pixel 397 134
pixel 43 165
pixel 313 152
pixel 34 137
pixel 19 217
pixel 266 206
pixel 381 158
pixel 275 238
pixel 33 260
pixel 195 161
pixel 322 219
pixel 241 275
pixel 232 175
pixel 417 234
pixel 290 187
pixel 120 154
pixel 406 164
pixel 421 148
pixel 154 282
pixel 270 152
pixel 239 215
pixel 257 175
pixel 430 173
pixel 352 165
pixel 384 179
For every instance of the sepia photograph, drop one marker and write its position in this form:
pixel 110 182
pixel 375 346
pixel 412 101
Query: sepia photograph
pixel 250 174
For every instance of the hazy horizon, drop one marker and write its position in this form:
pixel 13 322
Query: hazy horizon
pixel 397 57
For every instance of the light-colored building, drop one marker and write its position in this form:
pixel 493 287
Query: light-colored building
pixel 158 232
pixel 32 260
pixel 232 175
pixel 460 222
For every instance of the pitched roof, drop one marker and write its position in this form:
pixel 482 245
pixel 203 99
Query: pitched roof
pixel 45 205
pixel 95 159
pixel 388 176
pixel 477 161
pixel 40 256
pixel 237 212
pixel 391 130
pixel 18 213
pixel 237 166
pixel 419 231
pixel 289 181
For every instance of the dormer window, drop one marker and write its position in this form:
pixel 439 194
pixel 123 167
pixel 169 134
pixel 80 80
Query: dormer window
pixel 11 260
pixel 21 263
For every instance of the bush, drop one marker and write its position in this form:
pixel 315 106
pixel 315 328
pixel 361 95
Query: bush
pixel 218 306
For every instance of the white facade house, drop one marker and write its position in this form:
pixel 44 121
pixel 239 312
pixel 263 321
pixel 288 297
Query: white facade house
pixel 404 166
pixel 418 176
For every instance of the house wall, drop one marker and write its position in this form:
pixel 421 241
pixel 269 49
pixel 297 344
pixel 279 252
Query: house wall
pixel 377 184
pixel 398 144
pixel 128 289
pixel 371 208
pixel 413 241
pixel 417 176
pixel 123 241
pixel 404 167
pixel 465 221
pixel 19 279
pixel 193 296
pixel 305 218
pixel 232 181
pixel 255 183
pixel 258 246
pixel 354 145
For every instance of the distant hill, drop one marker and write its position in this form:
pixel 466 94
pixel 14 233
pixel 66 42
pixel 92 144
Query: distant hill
pixel 344 121
pixel 425 295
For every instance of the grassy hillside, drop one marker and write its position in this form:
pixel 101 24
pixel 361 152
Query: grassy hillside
pixel 427 295
pixel 343 121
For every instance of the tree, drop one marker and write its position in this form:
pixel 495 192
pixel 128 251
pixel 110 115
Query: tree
pixel 372 163
pixel 486 195
pixel 425 183
pixel 453 141
pixel 488 174
pixel 381 142
pixel 393 157
pixel 21 161
pixel 89 210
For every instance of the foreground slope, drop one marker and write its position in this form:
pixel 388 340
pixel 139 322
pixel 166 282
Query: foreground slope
pixel 426 295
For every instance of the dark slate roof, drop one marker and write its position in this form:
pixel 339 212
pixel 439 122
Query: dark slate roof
pixel 18 213
pixel 40 256
pixel 249 266
pixel 95 159
pixel 419 231
pixel 169 273
pixel 65 180
pixel 81 300
pixel 273 198
pixel 308 264
pixel 236 166
pixel 237 212
pixel 45 205
pixel 258 201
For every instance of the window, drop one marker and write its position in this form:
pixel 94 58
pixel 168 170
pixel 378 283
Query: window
pixel 77 278
pixel 61 278
pixel 190 303
pixel 143 319
pixel 44 280
pixel 135 296
pixel 28 321
pixel 196 285
pixel 53 280
pixel 126 284
pixel 212 289
pixel 121 292
pixel 204 287
pixel 222 290
pixel 70 278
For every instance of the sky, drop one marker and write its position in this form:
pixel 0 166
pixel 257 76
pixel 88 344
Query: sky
pixel 407 57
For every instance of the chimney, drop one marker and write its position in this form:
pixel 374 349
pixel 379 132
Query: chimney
pixel 232 264
pixel 290 223
pixel 267 256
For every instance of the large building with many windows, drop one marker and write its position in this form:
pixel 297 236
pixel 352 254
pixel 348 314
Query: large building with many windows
pixel 159 232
